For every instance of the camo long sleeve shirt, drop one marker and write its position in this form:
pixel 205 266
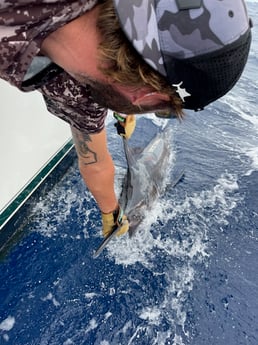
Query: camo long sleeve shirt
pixel 23 26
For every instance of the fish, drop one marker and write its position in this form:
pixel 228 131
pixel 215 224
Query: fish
pixel 145 180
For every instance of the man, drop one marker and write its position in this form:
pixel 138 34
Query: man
pixel 132 56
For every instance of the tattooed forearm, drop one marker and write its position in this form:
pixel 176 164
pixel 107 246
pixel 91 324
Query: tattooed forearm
pixel 81 141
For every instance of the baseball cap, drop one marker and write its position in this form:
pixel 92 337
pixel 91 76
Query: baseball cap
pixel 200 46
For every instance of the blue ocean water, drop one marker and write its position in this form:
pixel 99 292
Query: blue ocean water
pixel 188 277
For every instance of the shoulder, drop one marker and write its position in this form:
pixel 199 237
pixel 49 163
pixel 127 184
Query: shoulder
pixel 23 29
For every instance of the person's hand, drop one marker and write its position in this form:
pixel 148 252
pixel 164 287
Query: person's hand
pixel 125 125
pixel 114 219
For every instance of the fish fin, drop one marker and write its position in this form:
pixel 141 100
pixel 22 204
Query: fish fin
pixel 177 179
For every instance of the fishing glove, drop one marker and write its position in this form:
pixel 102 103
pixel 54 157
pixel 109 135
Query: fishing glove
pixel 125 125
pixel 115 219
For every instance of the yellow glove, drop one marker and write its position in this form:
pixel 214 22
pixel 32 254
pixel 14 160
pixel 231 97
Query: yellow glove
pixel 125 125
pixel 114 219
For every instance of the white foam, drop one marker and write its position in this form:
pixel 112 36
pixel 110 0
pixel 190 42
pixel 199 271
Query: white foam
pixel 92 325
pixel 190 250
pixel 7 324
pixel 178 340
pixel 107 315
pixel 151 314
pixel 240 105
pixel 252 153
pixel 140 246
pixel 135 335
pixel 51 298
pixel 127 326
pixel 68 342
pixel 46 217
pixel 6 337
pixel 244 121
pixel 90 295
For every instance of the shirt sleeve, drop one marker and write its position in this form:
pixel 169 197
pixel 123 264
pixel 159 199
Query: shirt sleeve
pixel 23 26
pixel 72 102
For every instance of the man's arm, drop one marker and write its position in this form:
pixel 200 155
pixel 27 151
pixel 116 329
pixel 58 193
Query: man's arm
pixel 96 167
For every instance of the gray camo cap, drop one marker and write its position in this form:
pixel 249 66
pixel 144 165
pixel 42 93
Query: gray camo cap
pixel 200 46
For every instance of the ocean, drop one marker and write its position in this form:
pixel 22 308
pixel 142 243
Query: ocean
pixel 190 274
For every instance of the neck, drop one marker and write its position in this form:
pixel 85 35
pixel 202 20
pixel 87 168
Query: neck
pixel 74 46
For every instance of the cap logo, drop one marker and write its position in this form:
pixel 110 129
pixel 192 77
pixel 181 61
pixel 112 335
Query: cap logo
pixel 182 92
pixel 188 4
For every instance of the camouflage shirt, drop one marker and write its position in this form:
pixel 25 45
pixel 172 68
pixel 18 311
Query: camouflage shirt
pixel 23 26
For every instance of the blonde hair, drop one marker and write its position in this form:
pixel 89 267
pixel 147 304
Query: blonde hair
pixel 125 65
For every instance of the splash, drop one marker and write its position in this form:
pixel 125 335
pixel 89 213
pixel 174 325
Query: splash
pixel 181 249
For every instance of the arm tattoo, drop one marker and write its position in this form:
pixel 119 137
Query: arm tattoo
pixel 81 141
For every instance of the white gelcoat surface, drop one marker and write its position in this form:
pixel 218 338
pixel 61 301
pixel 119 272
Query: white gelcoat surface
pixel 29 137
